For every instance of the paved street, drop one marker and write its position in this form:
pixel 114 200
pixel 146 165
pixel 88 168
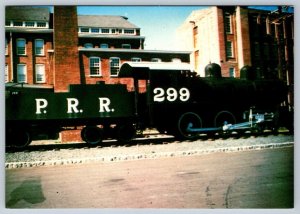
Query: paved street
pixel 248 179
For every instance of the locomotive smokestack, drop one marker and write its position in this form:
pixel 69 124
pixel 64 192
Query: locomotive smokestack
pixel 66 64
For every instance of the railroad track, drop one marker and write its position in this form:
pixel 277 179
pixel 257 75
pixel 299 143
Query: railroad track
pixel 146 139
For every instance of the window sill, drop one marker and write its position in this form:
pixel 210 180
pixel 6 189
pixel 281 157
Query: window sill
pixel 95 76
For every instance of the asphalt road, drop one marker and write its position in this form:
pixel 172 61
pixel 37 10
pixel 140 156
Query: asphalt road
pixel 247 179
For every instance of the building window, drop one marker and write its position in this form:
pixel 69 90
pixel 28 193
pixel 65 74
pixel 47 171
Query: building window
pixel 39 47
pixel 40 76
pixel 7 23
pixel 95 30
pixel 228 23
pixel 103 45
pixel 128 31
pixel 155 60
pixel 18 24
pixel 256 51
pixel 95 66
pixel 229 49
pixel 114 66
pixel 21 73
pixel 104 30
pixel 21 47
pixel 231 72
pixel 195 36
pixel 126 46
pixel 84 30
pixel 88 45
pixel 136 59
pixel 41 24
pixel 116 31
pixel 29 24
pixel 196 60
pixel 6 73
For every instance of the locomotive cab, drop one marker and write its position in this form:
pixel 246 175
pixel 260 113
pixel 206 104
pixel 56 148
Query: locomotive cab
pixel 166 91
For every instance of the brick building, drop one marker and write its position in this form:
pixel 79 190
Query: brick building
pixel 53 50
pixel 234 36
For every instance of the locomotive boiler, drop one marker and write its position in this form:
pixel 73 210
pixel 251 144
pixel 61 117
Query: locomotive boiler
pixel 176 102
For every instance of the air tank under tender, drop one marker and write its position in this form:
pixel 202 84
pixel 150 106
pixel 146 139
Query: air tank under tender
pixel 213 70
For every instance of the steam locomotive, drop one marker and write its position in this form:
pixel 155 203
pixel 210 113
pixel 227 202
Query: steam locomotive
pixel 176 102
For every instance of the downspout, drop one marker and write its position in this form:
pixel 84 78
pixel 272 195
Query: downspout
pixel 11 58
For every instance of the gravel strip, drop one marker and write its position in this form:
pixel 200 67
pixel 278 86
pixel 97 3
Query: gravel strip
pixel 122 153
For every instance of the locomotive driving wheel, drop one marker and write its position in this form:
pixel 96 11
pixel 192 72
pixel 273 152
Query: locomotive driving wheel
pixel 224 118
pixel 188 119
pixel 92 135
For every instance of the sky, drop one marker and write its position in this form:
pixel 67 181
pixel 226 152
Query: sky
pixel 158 23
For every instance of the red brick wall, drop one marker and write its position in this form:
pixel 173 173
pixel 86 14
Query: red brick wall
pixel 65 47
pixel 30 59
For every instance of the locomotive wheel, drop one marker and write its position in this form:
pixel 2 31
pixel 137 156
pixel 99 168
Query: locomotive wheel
pixel 92 135
pixel 224 117
pixel 186 119
pixel 125 132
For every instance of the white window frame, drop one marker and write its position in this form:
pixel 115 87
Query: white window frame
pixel 40 73
pixel 95 29
pixel 22 73
pixel 95 65
pixel 29 24
pixel 39 50
pixel 129 31
pixel 114 66
pixel 20 50
pixel 105 30
pixel 81 28
pixel 44 24
pixel 17 24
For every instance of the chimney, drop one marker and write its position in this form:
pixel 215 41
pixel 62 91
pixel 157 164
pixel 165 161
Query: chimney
pixel 66 55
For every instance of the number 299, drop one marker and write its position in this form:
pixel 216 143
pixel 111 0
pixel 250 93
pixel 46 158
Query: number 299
pixel 171 94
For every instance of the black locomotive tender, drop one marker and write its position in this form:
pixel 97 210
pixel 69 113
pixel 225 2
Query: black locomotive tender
pixel 176 102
